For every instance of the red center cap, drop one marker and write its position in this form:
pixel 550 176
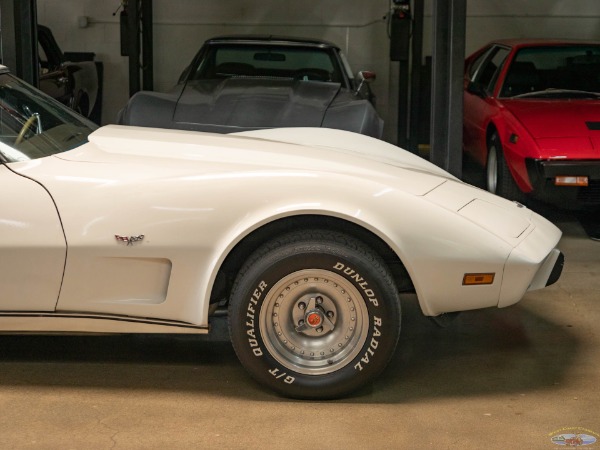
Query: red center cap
pixel 314 319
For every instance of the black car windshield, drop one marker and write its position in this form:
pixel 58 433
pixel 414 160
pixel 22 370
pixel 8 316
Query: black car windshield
pixel 268 61
pixel 569 71
pixel 33 125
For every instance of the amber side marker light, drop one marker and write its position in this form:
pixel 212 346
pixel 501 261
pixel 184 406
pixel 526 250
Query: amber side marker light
pixel 570 181
pixel 475 279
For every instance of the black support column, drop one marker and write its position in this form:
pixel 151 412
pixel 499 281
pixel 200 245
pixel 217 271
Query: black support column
pixel 18 22
pixel 400 26
pixel 147 47
pixel 133 45
pixel 449 25
pixel 416 79
pixel 136 42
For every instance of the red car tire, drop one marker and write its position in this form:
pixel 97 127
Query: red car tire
pixel 499 180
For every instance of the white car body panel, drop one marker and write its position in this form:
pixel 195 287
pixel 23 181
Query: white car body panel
pixel 194 196
pixel 304 237
pixel 33 246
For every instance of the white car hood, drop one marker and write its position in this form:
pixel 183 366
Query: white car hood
pixel 350 144
pixel 314 149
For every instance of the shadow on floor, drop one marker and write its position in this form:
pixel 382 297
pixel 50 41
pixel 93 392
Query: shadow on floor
pixel 481 353
pixel 590 221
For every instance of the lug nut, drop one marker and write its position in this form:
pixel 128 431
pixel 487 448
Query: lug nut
pixel 330 314
pixel 300 322
pixel 302 306
pixel 319 300
pixel 320 330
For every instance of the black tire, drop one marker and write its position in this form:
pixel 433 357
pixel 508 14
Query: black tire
pixel 499 180
pixel 314 314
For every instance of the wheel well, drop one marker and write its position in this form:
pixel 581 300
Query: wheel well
pixel 238 255
pixel 491 129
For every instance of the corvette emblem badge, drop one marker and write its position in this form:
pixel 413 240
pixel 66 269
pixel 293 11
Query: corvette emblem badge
pixel 129 239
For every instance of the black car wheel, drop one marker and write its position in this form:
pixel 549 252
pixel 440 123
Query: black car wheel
pixel 314 314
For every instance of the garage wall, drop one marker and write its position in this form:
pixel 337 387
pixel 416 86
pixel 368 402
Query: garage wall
pixel 495 19
pixel 356 25
pixel 180 27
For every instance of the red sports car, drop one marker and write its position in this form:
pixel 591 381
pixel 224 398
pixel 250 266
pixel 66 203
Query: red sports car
pixel 532 119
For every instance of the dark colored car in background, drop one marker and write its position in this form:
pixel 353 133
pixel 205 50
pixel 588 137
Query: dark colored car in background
pixel 238 83
pixel 73 79
pixel 532 120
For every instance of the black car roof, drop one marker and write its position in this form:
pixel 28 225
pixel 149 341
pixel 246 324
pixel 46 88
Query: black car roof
pixel 271 39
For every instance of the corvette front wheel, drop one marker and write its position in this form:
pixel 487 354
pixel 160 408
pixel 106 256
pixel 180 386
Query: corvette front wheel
pixel 314 314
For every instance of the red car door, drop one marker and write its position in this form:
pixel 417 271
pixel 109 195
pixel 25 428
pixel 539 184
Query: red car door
pixel 480 105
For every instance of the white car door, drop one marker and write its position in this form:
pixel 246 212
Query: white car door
pixel 32 245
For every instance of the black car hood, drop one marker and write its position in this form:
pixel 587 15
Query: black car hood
pixel 255 103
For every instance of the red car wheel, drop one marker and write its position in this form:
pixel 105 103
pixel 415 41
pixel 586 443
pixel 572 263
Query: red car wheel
pixel 499 180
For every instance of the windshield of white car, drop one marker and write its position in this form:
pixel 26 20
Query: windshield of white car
pixel 554 72
pixel 34 125
pixel 268 62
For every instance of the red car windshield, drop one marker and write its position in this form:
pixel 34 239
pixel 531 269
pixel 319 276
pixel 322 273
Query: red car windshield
pixel 554 72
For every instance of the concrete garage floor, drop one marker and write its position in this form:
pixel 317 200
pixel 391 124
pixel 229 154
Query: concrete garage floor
pixel 496 379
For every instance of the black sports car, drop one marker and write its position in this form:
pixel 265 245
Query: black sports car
pixel 238 83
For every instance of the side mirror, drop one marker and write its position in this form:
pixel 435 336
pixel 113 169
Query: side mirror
pixel 365 76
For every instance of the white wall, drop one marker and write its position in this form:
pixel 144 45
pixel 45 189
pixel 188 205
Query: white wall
pixel 180 27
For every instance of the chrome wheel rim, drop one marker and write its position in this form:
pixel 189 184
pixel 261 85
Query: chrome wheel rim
pixel 492 169
pixel 314 322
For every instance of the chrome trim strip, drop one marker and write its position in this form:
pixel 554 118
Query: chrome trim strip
pixel 42 323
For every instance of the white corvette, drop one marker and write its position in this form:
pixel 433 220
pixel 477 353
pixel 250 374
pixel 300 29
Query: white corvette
pixel 306 236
